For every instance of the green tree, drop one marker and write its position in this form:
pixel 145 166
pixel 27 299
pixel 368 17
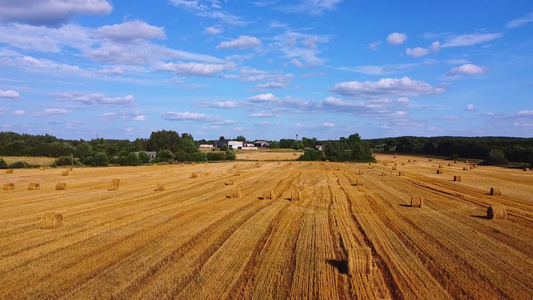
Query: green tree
pixel 495 157
pixel 144 157
pixel 3 164
pixel 188 145
pixel 273 145
pixel 241 138
pixel 63 161
pixel 83 150
pixel 163 140
pixel 100 160
pixel 164 155
pixel 230 155
pixel 130 160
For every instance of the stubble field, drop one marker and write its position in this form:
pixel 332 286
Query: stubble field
pixel 337 241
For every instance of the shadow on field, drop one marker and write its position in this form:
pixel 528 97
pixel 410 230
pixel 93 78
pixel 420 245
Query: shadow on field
pixel 340 265
pixel 405 205
pixel 480 217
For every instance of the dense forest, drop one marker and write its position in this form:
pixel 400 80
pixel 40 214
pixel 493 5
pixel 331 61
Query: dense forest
pixel 171 146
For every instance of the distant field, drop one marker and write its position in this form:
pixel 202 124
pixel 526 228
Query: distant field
pixel 268 155
pixel 337 241
pixel 39 160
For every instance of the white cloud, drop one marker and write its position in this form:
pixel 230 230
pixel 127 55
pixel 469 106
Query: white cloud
pixel 264 114
pixel 242 42
pixel 222 104
pixel 328 124
pixel 130 31
pixel 528 113
pixel 471 39
pixel 451 118
pixel 396 38
pixel 403 87
pixel 373 46
pixel 435 46
pixel 208 9
pixel 10 94
pixel 288 43
pixel 297 63
pixel 51 112
pixel 19 112
pixel 93 98
pixel 32 64
pixel 521 21
pixel 196 69
pixel 312 7
pixel 311 42
pixel 470 107
pixel 466 69
pixel 50 12
pixel 214 30
pixel 417 52
pixel 263 98
pixel 271 85
pixel 194 117
pixel 128 116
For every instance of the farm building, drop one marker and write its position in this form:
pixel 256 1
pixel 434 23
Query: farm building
pixel 261 144
pixel 151 153
pixel 205 146
pixel 230 144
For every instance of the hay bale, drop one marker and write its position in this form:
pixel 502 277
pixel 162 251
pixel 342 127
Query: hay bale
pixel 466 161
pixel 496 212
pixel 495 191
pixel 42 168
pixel 160 188
pixel 34 186
pixel 440 166
pixel 359 182
pixel 237 173
pixel 9 186
pixel 474 166
pixel 154 164
pixel 465 169
pixel 526 169
pixel 327 160
pixel 454 161
pixel 61 186
pixel 403 164
pixel 414 160
pixel 369 163
pixel 408 160
pixel 430 159
pixel 360 172
pixel 456 178
pixel 417 201
pixel 194 175
pixel 296 195
pixel 360 261
pixel 268 194
pixel 449 164
pixel 9 171
pixel 393 168
pixel 383 173
pixel 439 171
pixel 395 164
pixel 236 193
pixel 51 220
pixel 352 181
pixel 114 184
pixel 471 167
pixel 64 173
pixel 401 173
pixel 234 166
pixel 230 182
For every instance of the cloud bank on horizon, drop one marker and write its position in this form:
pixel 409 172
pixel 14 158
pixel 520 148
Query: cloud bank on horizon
pixel 265 69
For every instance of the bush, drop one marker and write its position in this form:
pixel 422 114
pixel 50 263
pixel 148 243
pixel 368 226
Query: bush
pixel 230 155
pixel 63 161
pixel 273 145
pixel 130 160
pixel 3 164
pixel 198 156
pixel 495 157
pixel 311 155
pixel 216 156
pixel 144 157
pixel 88 160
pixel 19 165
pixel 115 160
pixel 100 160
pixel 164 155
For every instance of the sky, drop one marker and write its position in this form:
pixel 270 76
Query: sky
pixel 81 69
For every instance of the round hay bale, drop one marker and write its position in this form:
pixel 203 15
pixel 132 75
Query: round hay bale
pixel 160 188
pixel 70 169
pixel 454 161
pixel 9 171
pixel 296 195
pixel 456 178
pixel 384 174
pixel 352 181
pixel 154 164
pixel 495 191
pixel 114 184
pixel 360 172
pixel 360 182
pixel 465 169
pixel 408 160
pixel 237 173
pixel 430 159
pixel 64 173
pixel 417 201
pixel 268 194
pixel 414 160
pixel 369 163
pixel 401 173
pixel 440 166
pixel 9 186
pixel 51 220
pixel 230 182
pixel 496 212
pixel 34 186
pixel 439 171
pixel 194 175
pixel 403 164
pixel 526 169
pixel 393 168
pixel 41 168
pixel 61 186
pixel 449 164
pixel 360 261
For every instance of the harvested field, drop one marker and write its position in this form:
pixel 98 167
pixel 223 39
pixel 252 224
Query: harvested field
pixel 191 241
pixel 264 155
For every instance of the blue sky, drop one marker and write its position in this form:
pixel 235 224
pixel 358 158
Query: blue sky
pixel 266 69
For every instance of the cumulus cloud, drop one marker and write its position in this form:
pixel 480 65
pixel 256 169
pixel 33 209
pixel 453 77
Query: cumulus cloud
pixel 194 117
pixel 373 46
pixel 311 7
pixel 32 64
pixel 520 21
pixel 396 38
pixel 271 85
pixel 263 98
pixel 19 112
pixel 328 124
pixel 222 104
pixel 214 30
pixel 289 43
pixel 93 98
pixel 50 12
pixel 403 87
pixel 128 116
pixel 435 46
pixel 130 31
pixel 470 107
pixel 51 112
pixel 528 113
pixel 196 69
pixel 471 39
pixel 264 114
pixel 417 52
pixel 208 9
pixel 242 42
pixel 466 69
pixel 9 94
pixel 269 79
